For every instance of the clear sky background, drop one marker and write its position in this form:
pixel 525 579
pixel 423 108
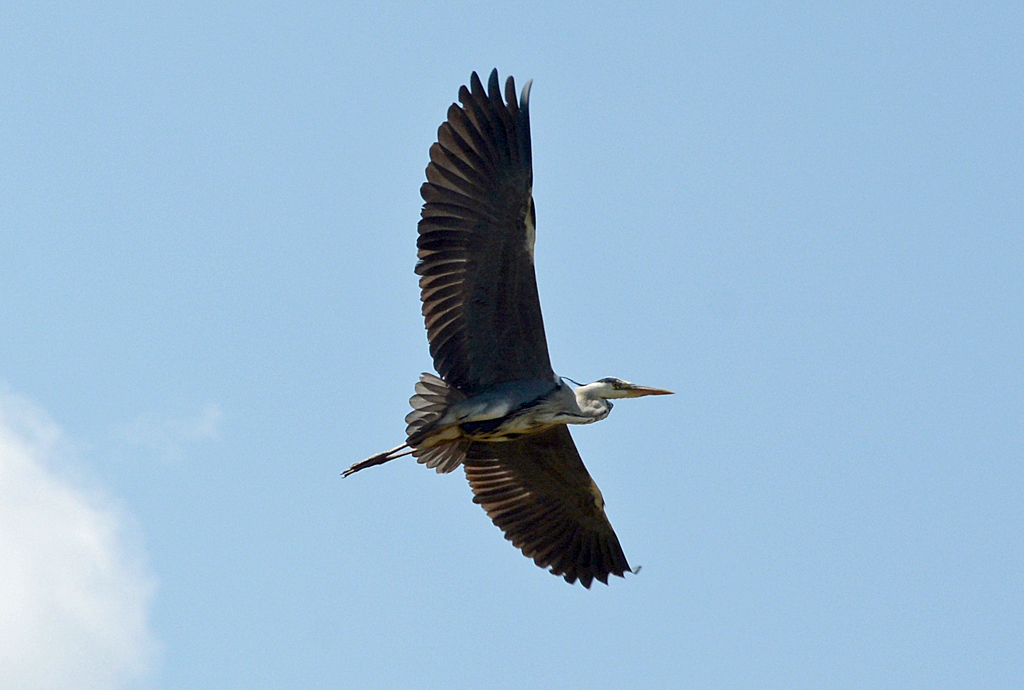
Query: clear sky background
pixel 805 218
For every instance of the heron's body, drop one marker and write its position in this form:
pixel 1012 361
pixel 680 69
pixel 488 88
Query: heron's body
pixel 498 409
pixel 506 411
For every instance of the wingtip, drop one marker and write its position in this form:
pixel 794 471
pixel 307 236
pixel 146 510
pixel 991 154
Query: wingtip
pixel 475 85
pixel 493 87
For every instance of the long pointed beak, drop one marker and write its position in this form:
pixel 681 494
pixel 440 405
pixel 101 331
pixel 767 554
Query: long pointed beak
pixel 635 391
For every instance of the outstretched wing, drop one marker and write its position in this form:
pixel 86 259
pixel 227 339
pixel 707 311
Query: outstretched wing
pixel 475 244
pixel 538 492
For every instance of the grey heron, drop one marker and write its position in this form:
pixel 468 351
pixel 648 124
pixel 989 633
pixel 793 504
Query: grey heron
pixel 498 409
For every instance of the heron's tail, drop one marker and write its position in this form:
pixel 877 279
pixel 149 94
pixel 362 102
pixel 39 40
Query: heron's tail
pixel 432 399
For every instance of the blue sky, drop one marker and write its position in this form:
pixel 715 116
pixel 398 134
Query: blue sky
pixel 804 218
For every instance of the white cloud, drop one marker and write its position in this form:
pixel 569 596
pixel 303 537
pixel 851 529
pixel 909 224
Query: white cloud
pixel 74 590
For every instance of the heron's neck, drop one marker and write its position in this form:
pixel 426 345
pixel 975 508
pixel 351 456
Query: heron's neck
pixel 591 404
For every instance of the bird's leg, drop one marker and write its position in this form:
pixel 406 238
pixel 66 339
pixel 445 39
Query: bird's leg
pixel 378 459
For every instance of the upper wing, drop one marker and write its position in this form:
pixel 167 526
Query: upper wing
pixel 475 243
pixel 538 492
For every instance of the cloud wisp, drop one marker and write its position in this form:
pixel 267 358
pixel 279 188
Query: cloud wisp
pixel 75 592
pixel 170 437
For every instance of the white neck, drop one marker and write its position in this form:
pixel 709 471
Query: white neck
pixel 591 401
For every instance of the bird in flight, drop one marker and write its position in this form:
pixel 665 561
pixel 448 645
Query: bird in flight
pixel 498 409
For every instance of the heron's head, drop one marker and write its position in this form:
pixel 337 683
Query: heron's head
pixel 611 387
pixel 595 399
